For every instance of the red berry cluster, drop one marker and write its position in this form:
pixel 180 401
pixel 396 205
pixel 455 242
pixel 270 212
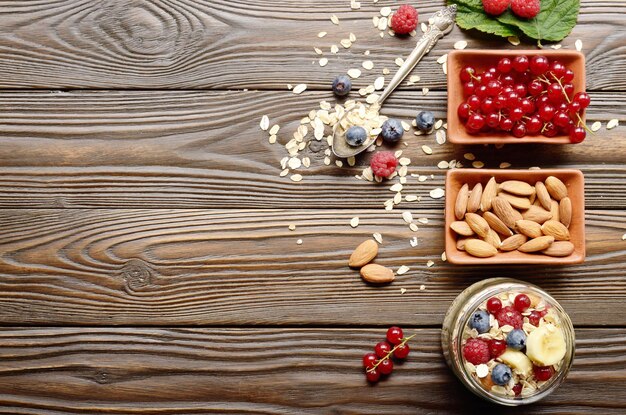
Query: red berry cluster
pixel 380 363
pixel 524 97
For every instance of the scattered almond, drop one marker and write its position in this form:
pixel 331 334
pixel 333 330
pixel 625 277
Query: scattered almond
pixel 490 191
pixel 363 254
pixel 565 211
pixel 513 242
pixel 517 187
pixel 537 244
pixel 377 274
pixel 543 195
pixel 528 228
pixel 493 239
pixel 556 188
pixel 537 214
pixel 518 202
pixel 555 229
pixel 473 204
pixel 559 249
pixel 480 249
pixel 496 224
pixel 503 209
pixel 554 210
pixel 477 224
pixel 460 207
pixel 461 228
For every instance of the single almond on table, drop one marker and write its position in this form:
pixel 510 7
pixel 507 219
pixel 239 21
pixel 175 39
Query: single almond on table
pixel 503 209
pixel 556 188
pixel 473 204
pixel 537 214
pixel 480 249
pixel 363 254
pixel 493 239
pixel 513 242
pixel 565 211
pixel 537 244
pixel 489 192
pixel 555 210
pixel 377 274
pixel 529 228
pixel 543 195
pixel 559 249
pixel 461 228
pixel 496 224
pixel 518 202
pixel 460 206
pixel 477 223
pixel 517 187
pixel 555 229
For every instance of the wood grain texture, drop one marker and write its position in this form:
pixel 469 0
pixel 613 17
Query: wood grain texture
pixel 239 44
pixel 240 267
pixel 205 149
pixel 269 371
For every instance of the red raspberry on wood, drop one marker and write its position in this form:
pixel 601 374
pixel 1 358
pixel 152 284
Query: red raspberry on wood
pixel 404 20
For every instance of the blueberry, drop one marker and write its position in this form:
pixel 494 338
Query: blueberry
pixel 501 374
pixel 425 121
pixel 342 85
pixel 480 321
pixel 516 339
pixel 392 130
pixel 355 136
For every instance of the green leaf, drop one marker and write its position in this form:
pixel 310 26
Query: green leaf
pixel 470 15
pixel 554 22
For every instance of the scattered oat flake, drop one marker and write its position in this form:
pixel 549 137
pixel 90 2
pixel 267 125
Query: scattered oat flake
pixel 612 124
pixel 423 221
pixel 424 27
pixel 327 161
pixel 354 73
pixel 265 123
pixel 469 156
pixel 385 11
pixel 296 177
pixel 478 164
pixel 407 216
pixel 399 61
pixel 443 164
pixel 427 150
pixel 284 172
pixel 579 45
pixel 405 125
pixel 299 242
pixel 403 270
pixel 378 237
pixel 437 193
pixel 272 139
pixel 596 126
pixel 396 187
pixel 505 165
pixel 274 129
pixel 440 137
pixel 442 59
pixel 298 89
pixel 413 227
pixel 379 83
pixel 413 242
pixel 372 98
pixel 402 290
pixel 292 227
pixel 368 65
pixel 354 222
pixel 556 47
pixel 339 163
pixel 482 370
pixel 444 257
pixel 321 34
pixel 624 237
pixel 460 45
pixel 430 264
pixel 422 287
pixel 513 40
pixel 425 91
pixel 386 71
pixel 334 49
pixel 318 51
pixel 404 161
pixel 334 19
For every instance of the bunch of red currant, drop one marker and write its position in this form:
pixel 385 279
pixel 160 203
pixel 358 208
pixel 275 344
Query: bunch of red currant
pixel 380 363
pixel 524 97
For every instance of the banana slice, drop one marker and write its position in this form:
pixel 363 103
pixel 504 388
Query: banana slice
pixel 546 345
pixel 518 361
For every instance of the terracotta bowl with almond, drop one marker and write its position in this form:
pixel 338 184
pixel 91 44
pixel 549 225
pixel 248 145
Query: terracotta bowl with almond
pixel 515 216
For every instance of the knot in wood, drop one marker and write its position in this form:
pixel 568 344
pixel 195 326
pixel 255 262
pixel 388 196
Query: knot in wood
pixel 136 274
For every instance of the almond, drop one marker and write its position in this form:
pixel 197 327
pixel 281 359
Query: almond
pixel 513 242
pixel 473 204
pixel 543 195
pixel 537 244
pixel 460 206
pixel 493 239
pixel 528 228
pixel 363 254
pixel 555 229
pixel 554 209
pixel 477 223
pixel 461 228
pixel 503 209
pixel 556 188
pixel 565 211
pixel 537 214
pixel 496 224
pixel 518 202
pixel 517 187
pixel 460 244
pixel 377 274
pixel 560 249
pixel 533 197
pixel 489 192
pixel 480 249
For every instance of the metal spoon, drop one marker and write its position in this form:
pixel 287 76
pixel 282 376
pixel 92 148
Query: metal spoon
pixel 440 24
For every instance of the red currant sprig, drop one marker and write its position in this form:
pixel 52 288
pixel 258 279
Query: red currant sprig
pixel 380 363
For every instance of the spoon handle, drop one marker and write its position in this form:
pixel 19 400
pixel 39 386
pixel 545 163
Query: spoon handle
pixel 439 25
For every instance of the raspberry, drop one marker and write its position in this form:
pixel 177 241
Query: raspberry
pixel 496 7
pixel 510 316
pixel 476 351
pixel 526 8
pixel 404 20
pixel 384 163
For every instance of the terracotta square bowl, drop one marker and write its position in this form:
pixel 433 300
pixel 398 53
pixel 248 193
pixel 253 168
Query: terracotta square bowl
pixel 574 181
pixel 482 60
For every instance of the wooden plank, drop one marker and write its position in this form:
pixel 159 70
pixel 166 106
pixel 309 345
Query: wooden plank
pixel 196 267
pixel 271 371
pixel 205 149
pixel 240 44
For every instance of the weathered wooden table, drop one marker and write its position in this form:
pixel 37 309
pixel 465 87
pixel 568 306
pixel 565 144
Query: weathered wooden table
pixel 146 265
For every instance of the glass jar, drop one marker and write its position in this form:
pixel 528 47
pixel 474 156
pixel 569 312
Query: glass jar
pixel 455 328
